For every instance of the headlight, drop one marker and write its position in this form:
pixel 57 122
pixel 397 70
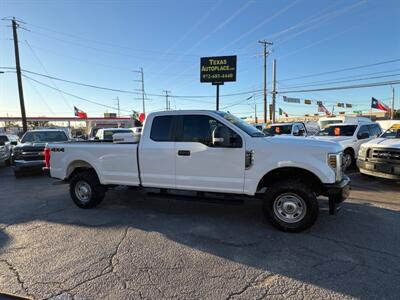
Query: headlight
pixel 335 161
pixel 362 153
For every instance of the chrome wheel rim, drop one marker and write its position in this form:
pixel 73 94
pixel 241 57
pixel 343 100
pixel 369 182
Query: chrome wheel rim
pixel 83 191
pixel 290 208
pixel 347 160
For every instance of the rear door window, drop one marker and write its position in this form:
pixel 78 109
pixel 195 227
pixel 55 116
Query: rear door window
pixel 161 129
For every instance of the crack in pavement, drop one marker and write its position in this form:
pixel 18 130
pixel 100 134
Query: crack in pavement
pixel 17 276
pixel 107 270
pixel 256 282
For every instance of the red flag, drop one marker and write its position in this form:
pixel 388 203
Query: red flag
pixel 79 113
pixel 142 117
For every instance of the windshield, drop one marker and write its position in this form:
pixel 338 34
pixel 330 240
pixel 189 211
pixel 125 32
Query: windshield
pixel 278 129
pixel 325 123
pixel 3 138
pixel 44 136
pixel 392 133
pixel 341 130
pixel 250 130
pixel 108 134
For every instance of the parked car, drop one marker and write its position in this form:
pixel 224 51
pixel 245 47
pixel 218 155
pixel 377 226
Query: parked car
pixel 28 154
pixel 295 129
pixel 136 130
pixel 106 134
pixel 381 157
pixel 5 149
pixel 350 136
pixel 213 152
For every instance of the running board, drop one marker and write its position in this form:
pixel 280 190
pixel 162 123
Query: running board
pixel 196 197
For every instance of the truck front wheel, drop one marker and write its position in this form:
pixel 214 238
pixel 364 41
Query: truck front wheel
pixel 291 206
pixel 86 190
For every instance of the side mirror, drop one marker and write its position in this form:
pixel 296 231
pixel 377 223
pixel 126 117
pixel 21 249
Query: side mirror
pixel 363 136
pixel 220 135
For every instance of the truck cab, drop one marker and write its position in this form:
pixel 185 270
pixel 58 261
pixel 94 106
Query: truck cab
pixel 351 136
pixel 380 157
pixel 106 134
pixel 295 129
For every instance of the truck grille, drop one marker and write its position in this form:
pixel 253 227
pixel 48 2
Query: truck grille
pixel 385 154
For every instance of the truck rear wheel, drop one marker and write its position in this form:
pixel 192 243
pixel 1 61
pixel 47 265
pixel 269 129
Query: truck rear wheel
pixel 86 190
pixel 291 206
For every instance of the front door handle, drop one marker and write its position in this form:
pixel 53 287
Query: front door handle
pixel 184 152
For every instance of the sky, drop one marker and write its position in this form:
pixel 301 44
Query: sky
pixel 104 43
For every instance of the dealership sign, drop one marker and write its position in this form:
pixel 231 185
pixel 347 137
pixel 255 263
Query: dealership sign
pixel 218 69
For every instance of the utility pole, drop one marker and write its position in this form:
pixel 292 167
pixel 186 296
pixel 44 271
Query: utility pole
pixel 167 103
pixel 265 44
pixel 392 103
pixel 141 89
pixel 255 113
pixel 119 111
pixel 19 77
pixel 274 92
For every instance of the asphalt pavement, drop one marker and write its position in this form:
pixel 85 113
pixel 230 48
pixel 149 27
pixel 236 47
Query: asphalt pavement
pixel 137 245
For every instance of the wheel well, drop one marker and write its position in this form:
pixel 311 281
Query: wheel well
pixel 350 150
pixel 307 177
pixel 77 167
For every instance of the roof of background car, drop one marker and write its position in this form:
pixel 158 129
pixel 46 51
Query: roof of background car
pixel 185 112
pixel 115 129
pixel 44 130
pixel 282 124
pixel 351 123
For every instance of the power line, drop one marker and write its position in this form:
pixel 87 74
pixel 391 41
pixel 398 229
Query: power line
pixel 128 91
pixel 343 70
pixel 72 95
pixel 384 83
pixel 342 81
pixel 45 70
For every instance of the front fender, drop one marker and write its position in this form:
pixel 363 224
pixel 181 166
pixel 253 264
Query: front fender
pixel 323 171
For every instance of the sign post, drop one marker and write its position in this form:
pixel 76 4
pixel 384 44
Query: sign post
pixel 217 70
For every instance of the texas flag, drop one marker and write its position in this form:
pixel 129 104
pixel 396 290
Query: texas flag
pixel 375 103
pixel 79 113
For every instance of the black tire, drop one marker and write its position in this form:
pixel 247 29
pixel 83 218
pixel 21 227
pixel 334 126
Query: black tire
pixel 349 153
pixel 288 192
pixel 89 181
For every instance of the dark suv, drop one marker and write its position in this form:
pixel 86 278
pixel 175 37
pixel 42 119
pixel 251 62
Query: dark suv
pixel 28 155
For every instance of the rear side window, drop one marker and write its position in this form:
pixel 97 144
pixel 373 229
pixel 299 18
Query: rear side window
pixel 161 129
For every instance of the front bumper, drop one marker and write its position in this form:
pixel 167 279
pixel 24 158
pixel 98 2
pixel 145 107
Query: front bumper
pixel 25 165
pixel 379 169
pixel 337 193
pixel 4 156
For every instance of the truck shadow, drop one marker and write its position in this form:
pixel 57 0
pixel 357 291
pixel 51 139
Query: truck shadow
pixel 354 253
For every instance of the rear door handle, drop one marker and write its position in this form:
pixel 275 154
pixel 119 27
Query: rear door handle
pixel 183 152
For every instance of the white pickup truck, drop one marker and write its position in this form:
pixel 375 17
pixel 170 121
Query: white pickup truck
pixel 211 152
